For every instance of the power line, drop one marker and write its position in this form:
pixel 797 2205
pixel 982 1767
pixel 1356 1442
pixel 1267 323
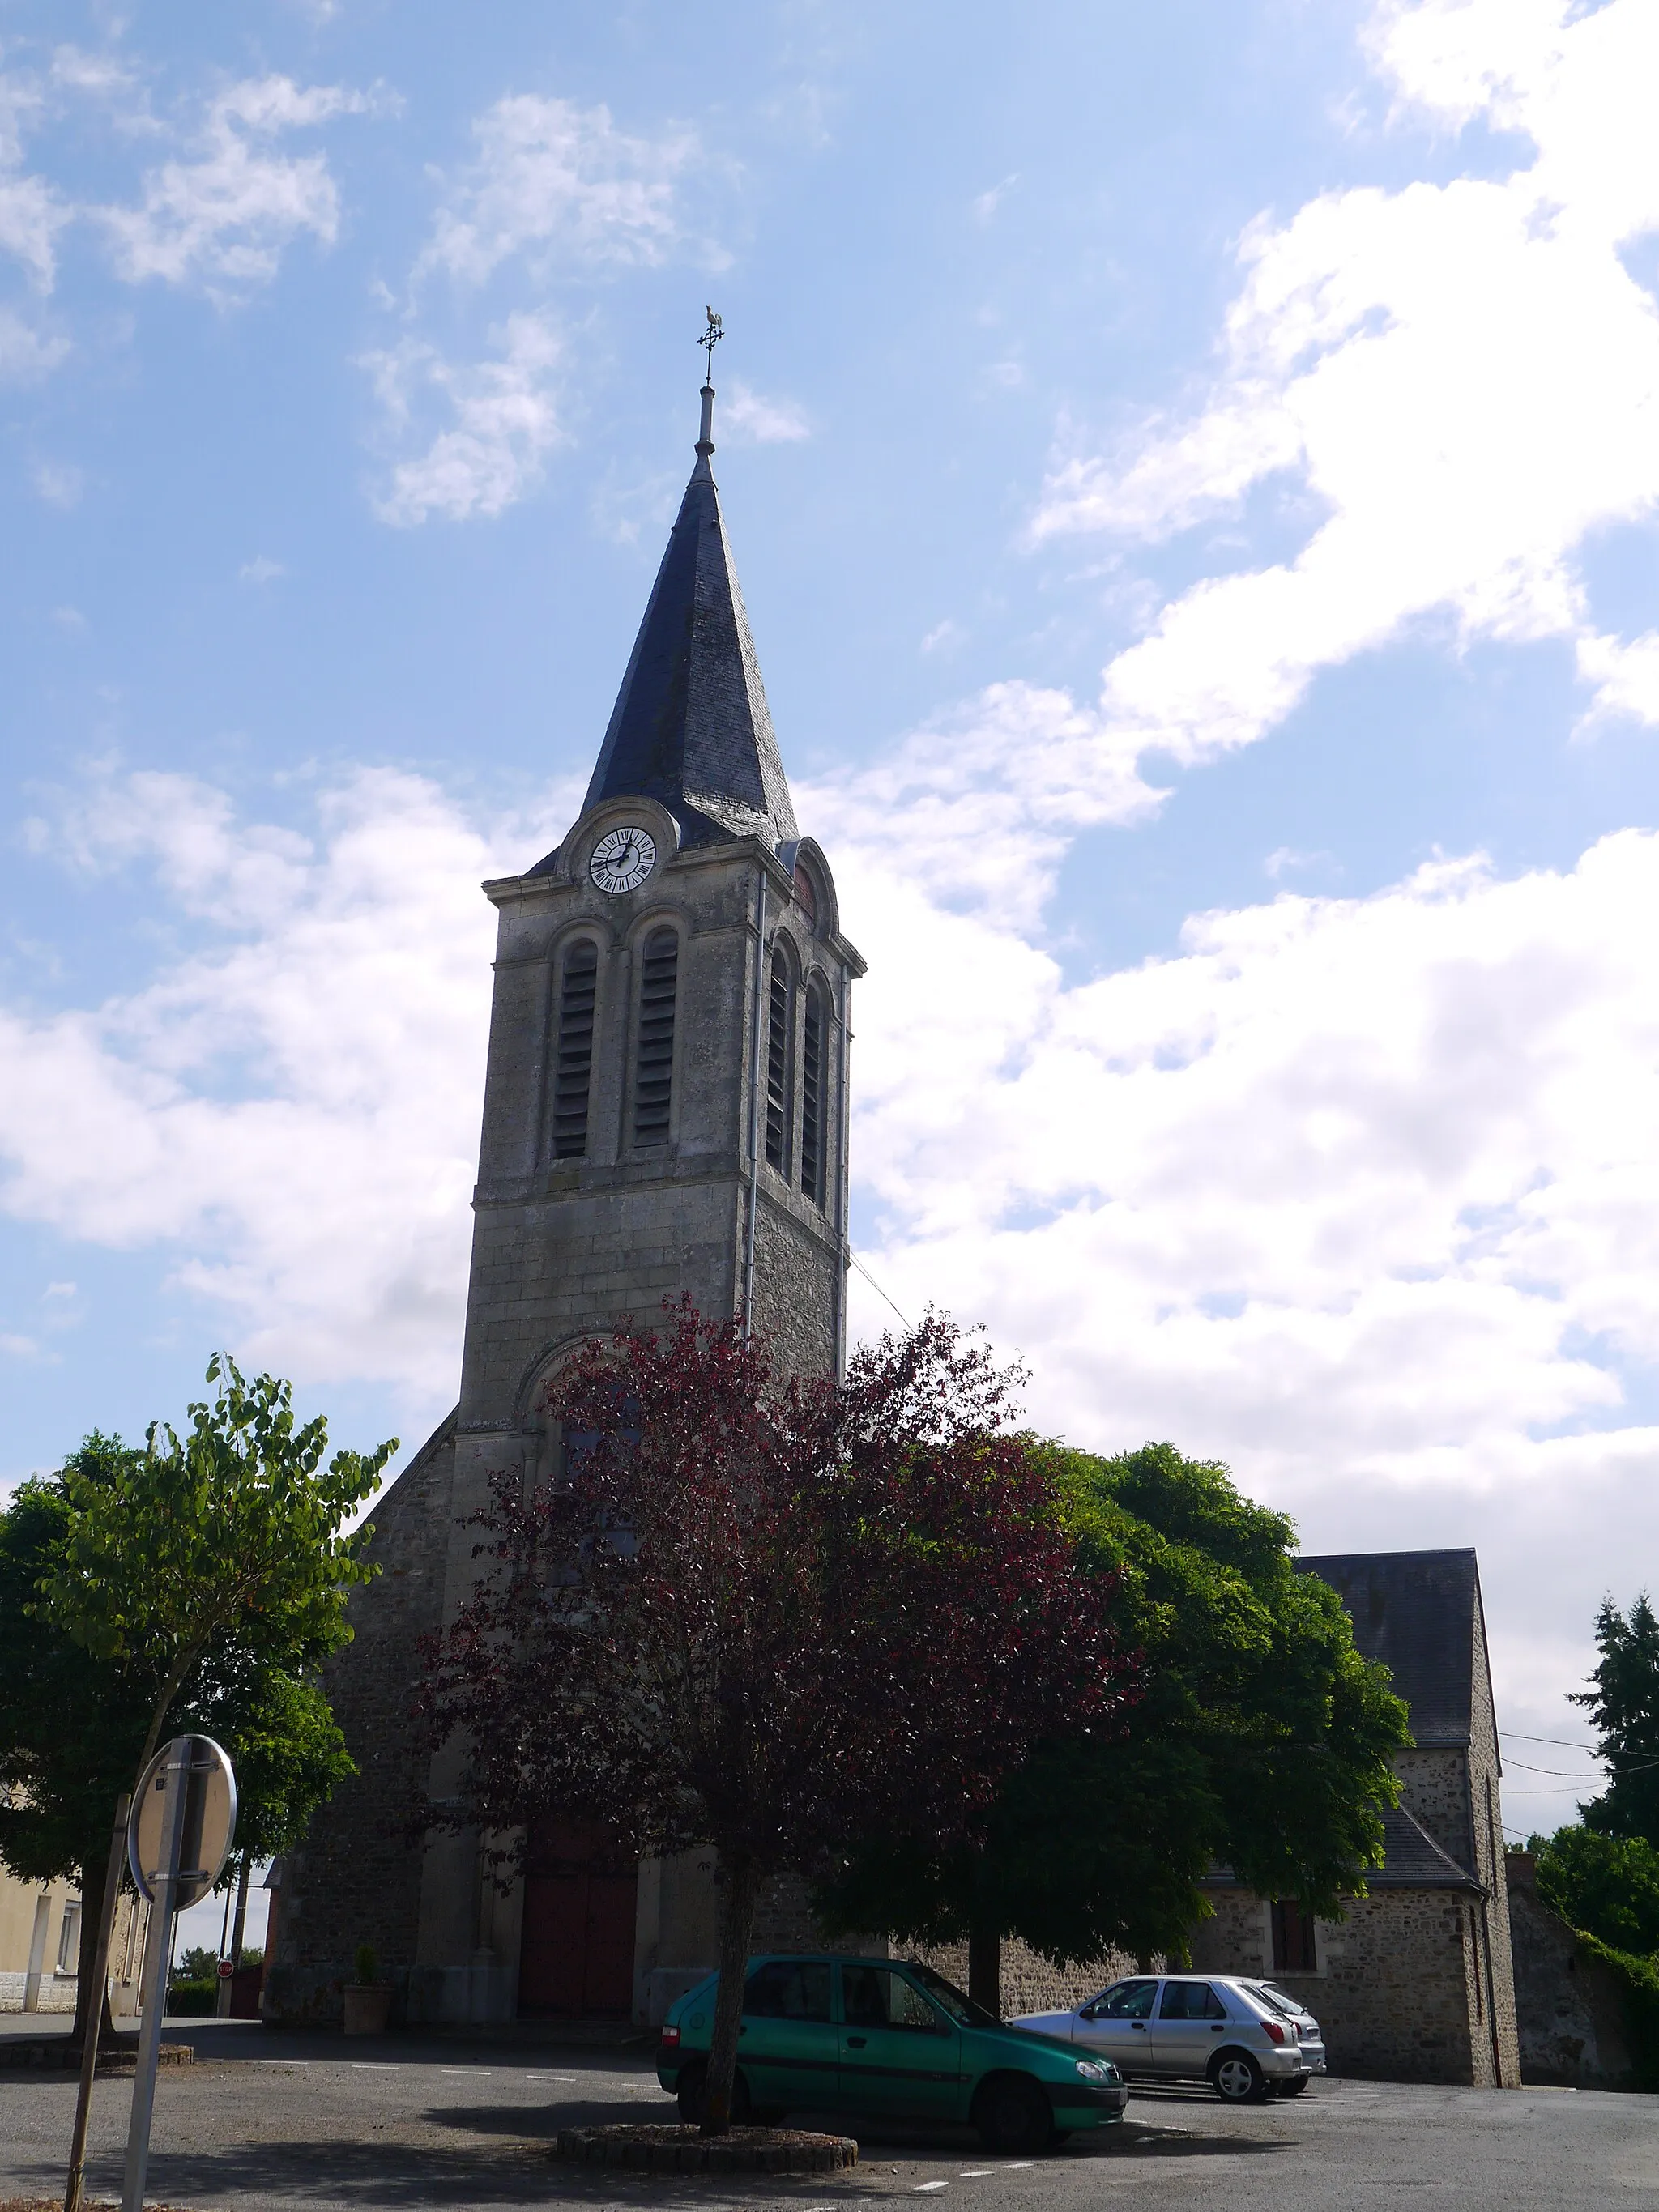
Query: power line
pixel 874 1285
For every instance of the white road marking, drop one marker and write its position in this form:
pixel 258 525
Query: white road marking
pixel 464 2070
pixel 976 2172
pixel 549 2077
pixel 374 2065
pixel 921 2188
pixel 1018 2164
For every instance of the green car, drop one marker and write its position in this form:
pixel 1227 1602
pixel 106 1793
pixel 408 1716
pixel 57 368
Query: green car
pixel 887 2037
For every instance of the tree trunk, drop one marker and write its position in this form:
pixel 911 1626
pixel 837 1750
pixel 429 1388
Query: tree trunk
pixel 740 1894
pixel 241 1911
pixel 985 1965
pixel 94 1866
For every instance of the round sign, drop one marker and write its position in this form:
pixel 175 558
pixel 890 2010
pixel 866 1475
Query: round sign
pixel 208 1827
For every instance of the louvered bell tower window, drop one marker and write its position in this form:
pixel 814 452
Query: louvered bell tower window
pixel 777 1068
pixel 653 1058
pixel 813 1040
pixel 573 1068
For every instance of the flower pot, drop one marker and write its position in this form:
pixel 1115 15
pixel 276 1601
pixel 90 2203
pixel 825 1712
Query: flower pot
pixel 367 2005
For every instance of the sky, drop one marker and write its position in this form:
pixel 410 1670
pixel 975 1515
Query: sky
pixel 1195 474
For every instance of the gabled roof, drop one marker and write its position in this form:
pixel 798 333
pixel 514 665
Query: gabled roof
pixel 691 727
pixel 1420 1614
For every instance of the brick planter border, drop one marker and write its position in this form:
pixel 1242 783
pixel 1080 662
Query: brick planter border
pixel 667 2149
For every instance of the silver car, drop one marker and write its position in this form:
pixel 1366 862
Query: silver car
pixel 1308 2033
pixel 1218 2028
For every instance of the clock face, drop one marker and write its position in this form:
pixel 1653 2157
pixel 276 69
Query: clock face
pixel 623 859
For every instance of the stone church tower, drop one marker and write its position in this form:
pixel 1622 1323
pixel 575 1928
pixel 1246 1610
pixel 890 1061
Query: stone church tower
pixel 665 1111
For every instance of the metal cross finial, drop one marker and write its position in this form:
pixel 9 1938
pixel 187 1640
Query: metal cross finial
pixel 710 339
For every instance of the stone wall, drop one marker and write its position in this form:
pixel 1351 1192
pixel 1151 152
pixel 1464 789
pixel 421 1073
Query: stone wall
pixel 1396 1990
pixel 1031 1982
pixel 1569 2005
pixel 356 1879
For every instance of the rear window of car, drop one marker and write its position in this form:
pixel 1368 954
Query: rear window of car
pixel 789 1989
pixel 1191 2001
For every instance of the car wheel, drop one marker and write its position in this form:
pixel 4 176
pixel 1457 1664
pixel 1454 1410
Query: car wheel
pixel 1237 2078
pixel 1013 2115
pixel 691 2096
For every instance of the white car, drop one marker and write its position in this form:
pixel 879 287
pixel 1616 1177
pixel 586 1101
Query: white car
pixel 1218 2028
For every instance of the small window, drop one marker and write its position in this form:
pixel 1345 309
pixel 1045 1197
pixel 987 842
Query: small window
pixel 777 1067
pixel 69 1939
pixel 573 1070
pixel 654 1059
pixel 807 898
pixel 1294 1951
pixel 814 1037
pixel 789 1989
pixel 1190 2001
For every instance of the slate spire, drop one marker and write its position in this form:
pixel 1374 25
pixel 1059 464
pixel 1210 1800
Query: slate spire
pixel 691 727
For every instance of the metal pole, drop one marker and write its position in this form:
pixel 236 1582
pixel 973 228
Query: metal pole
pixel 158 1960
pixel 94 2007
pixel 37 1951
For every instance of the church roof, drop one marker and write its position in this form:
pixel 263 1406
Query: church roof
pixel 1412 1859
pixel 1420 1614
pixel 691 727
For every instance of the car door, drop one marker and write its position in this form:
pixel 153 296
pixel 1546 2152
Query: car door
pixel 899 2054
pixel 1190 2023
pixel 1117 2026
pixel 788 2044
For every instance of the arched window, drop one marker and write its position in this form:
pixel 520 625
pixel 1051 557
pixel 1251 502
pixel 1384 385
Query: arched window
pixel 653 1054
pixel 814 1059
pixel 777 1067
pixel 573 1064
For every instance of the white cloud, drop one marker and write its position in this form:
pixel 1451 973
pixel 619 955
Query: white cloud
pixel 60 483
pixel 747 418
pixel 261 569
pixel 293 1107
pixel 1462 378
pixel 559 183
pixel 223 217
pixel 32 213
pixel 986 204
pixel 27 352
pixel 504 422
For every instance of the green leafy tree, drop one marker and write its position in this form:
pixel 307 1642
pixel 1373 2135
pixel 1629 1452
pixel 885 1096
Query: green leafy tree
pixel 1262 1740
pixel 1623 1703
pixel 193 1584
pixel 1605 1886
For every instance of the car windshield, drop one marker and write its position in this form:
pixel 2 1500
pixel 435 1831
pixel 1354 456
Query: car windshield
pixel 962 2008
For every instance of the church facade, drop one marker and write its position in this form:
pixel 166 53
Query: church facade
pixel 666 1114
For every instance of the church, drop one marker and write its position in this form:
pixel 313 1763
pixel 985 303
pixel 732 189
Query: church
pixel 665 1112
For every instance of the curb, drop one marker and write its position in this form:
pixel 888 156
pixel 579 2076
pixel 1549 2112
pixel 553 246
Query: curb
pixel 670 2150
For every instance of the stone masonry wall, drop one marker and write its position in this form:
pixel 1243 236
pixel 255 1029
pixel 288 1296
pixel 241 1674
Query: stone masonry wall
pixel 357 1878
pixel 1395 1994
pixel 1569 2006
pixel 1031 1982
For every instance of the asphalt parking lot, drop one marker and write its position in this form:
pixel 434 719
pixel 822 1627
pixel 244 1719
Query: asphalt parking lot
pixel 267 2122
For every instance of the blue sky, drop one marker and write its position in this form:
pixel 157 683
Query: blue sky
pixel 1192 472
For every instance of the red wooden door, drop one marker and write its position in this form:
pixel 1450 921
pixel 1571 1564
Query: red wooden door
pixel 579 1894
